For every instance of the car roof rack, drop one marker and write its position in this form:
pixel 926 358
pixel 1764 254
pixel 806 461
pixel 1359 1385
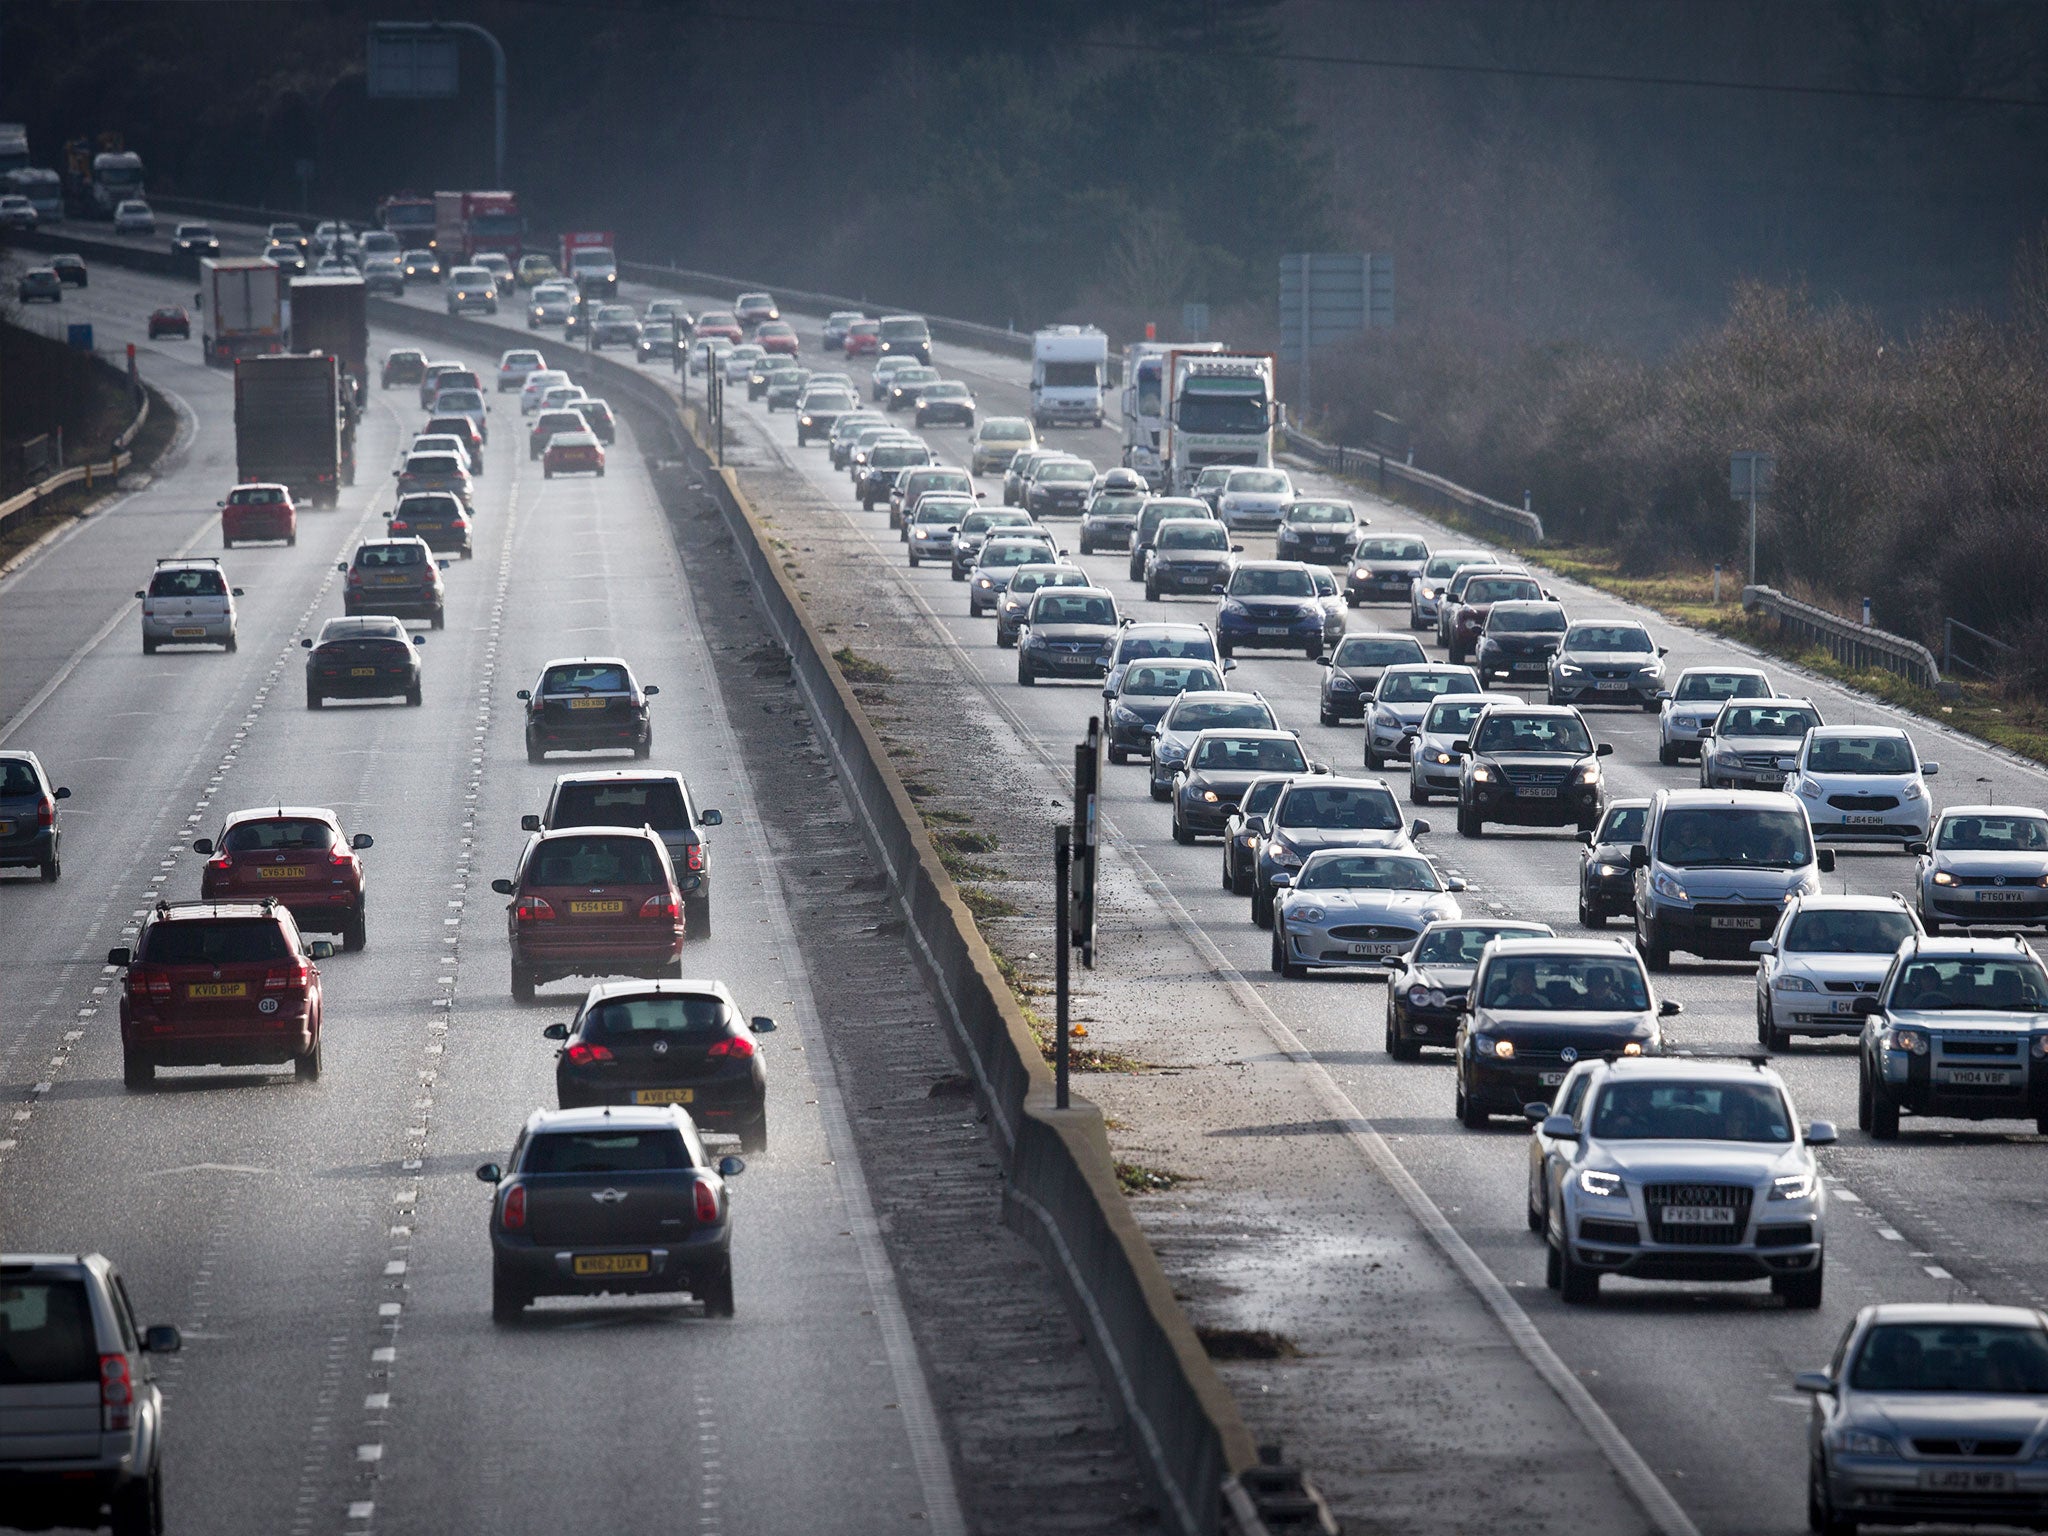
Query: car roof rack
pixel 188 559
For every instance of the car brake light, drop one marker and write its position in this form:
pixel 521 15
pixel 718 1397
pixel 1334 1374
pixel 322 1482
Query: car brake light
pixel 514 1213
pixel 707 1203
pixel 117 1392
pixel 220 861
pixel 693 858
pixel 341 855
pixel 582 1053
pixel 659 906
pixel 355 578
pixel 280 977
pixel 46 813
pixel 397 526
pixel 738 1048
pixel 460 525
pixel 532 909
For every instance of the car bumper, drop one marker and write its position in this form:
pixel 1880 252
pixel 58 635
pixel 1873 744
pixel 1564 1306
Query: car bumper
pixel 931 414
pixel 1199 579
pixel 1715 933
pixel 1108 535
pixel 1681 734
pixel 1425 1026
pixel 713 1105
pixel 1376 589
pixel 1390 738
pixel 1048 662
pixel 393 606
pixel 31 847
pixel 1131 735
pixel 1440 777
pixel 1904 824
pixel 1504 1087
pixel 1316 947
pixel 386 684
pixel 1288 635
pixel 1611 894
pixel 1338 553
pixel 1206 816
pixel 1503 803
pixel 675 1263
pixel 1723 776
pixel 560 738
pixel 272 525
pixel 1963 907
pixel 1259 519
pixel 281 1037
pixel 1633 691
pixel 1344 706
pixel 188 631
pixel 1615 1244
pixel 552 957
pixel 1923 1085
pixel 1891 1491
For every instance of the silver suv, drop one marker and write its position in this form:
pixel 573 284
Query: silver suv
pixel 188 602
pixel 1682 1169
pixel 81 1418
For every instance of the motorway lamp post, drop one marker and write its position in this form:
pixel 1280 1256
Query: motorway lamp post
pixel 1749 479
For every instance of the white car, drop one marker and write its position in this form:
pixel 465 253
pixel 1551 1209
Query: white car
pixel 739 362
pixel 1434 763
pixel 17 212
pixel 549 304
pixel 1828 951
pixel 710 354
pixel 1356 907
pixel 1405 692
pixel 1691 704
pixel 1863 783
pixel 1254 498
pixel 472 288
pixel 132 216
pixel 517 366
pixel 188 602
pixel 535 389
pixel 1984 866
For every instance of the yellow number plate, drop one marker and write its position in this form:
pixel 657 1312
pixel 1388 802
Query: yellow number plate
pixel 186 634
pixel 597 907
pixel 610 1263
pixel 282 872
pixel 217 989
pixel 586 703
pixel 393 581
pixel 362 671
pixel 6 829
pixel 663 1095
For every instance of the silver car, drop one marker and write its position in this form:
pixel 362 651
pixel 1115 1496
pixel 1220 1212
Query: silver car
pixel 1193 713
pixel 1426 589
pixel 1434 763
pixel 1931 1412
pixel 1403 697
pixel 1754 743
pixel 1984 866
pixel 1254 498
pixel 81 1416
pixel 930 532
pixel 188 602
pixel 1691 704
pixel 1683 1169
pixel 1828 951
pixel 1356 907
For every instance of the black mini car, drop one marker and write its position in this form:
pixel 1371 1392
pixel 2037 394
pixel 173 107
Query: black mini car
pixel 1607 882
pixel 667 1042
pixel 362 658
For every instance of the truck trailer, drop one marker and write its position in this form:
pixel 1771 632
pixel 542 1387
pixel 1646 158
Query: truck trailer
pixel 1144 410
pixel 468 222
pixel 331 314
pixel 290 425
pixel 1219 411
pixel 241 308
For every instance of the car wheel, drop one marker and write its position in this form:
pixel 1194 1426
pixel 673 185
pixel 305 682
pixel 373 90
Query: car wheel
pixel 1884 1116
pixel 1470 823
pixel 1668 756
pixel 717 1292
pixel 1553 1271
pixel 1224 650
pixel 1589 916
pixel 508 1297
pixel 148 646
pixel 534 751
pixel 1151 591
pixel 1373 760
pixel 440 618
pixel 413 696
pixel 226 542
pixel 1802 1292
pixel 137 1070
pixel 291 541
pixel 697 919
pixel 231 646
pixel 1862 1097
pixel 1820 1515
pixel 1768 1035
pixel 1181 834
pixel 1158 793
pixel 1655 948
pixel 307 1067
pixel 355 933
pixel 644 747
pixel 1577 1286
pixel 51 869
pixel 1326 716
pixel 137 1508
pixel 1417 795
pixel 913 559
pixel 1470 1115
pixel 1025 675
pixel 1262 907
pixel 522 983
pixel 1117 755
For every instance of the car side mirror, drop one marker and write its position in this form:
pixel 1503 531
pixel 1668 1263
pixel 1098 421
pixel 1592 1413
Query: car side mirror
pixel 419 639
pixel 1866 1007
pixel 1560 1127
pixel 981 495
pixel 396 473
pixel 1824 859
pixel 161 1339
pixel 203 846
pixel 306 644
pixel 121 956
pixel 339 565
pixel 361 841
pixel 1918 850
pixel 1535 1112
pixel 1461 747
pixel 1229 665
pixel 555 1032
pixel 731 1167
pixel 1663 650
pixel 1394 962
pixel 62 794
pixel 1418 827
pixel 650 690
pixel 1586 838
pixel 141 594
pixel 1638 856
pixel 1929 770
pixel 1813 1381
pixel 1237 549
pixel 1821 1134
pixel 1454 884
pixel 321 949
pixel 1217 591
pixel 1764 947
pixel 490 1173
pixel 1663 693
pixel 525 693
pixel 761 1024
pixel 1670 1008
pixel 1282 882
pixel 710 819
pixel 502 887
pixel 529 823
pixel 1605 749
pixel 236 592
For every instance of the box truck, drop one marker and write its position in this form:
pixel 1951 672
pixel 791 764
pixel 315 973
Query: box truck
pixel 1144 410
pixel 1068 364
pixel 331 314
pixel 241 308
pixel 290 425
pixel 1219 411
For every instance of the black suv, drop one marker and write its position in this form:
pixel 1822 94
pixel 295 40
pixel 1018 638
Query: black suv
pixel 1517 644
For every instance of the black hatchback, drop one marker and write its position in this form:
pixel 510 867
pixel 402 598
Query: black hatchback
pixel 1607 881
pixel 362 658
pixel 434 517
pixel 585 703
pixel 667 1042
pixel 29 831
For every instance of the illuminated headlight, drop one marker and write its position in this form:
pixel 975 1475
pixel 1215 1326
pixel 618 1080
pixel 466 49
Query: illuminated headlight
pixel 1282 854
pixel 1503 1050
pixel 1793 1186
pixel 922 533
pixel 984 583
pixel 1861 1442
pixel 1786 983
pixel 1342 684
pixel 1667 885
pixel 1482 775
pixel 1602 1186
pixel 1633 1048
pixel 1610 870
pixel 1911 1041
pixel 2041 1045
pixel 1445 760
pixel 803 421
pixel 1943 877
pixel 1209 796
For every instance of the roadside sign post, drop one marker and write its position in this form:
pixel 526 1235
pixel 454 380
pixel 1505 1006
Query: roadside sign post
pixel 1062 864
pixel 1073 862
pixel 1327 296
pixel 1749 479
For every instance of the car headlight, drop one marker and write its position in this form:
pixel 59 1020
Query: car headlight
pixel 1610 870
pixel 1567 669
pixel 1504 1050
pixel 1861 1442
pixel 1306 914
pixel 1911 1041
pixel 1170 751
pixel 1912 791
pixel 1339 683
pixel 1808 790
pixel 1786 983
pixel 1283 854
pixel 1482 775
pixel 2041 1045
pixel 1601 1186
pixel 1124 715
pixel 922 533
pixel 1425 997
pixel 1793 1186
pixel 1943 877
pixel 1209 796
pixel 984 583
pixel 1632 1048
pixel 1667 885
pixel 1039 640
pixel 804 421
pixel 1232 606
pixel 1445 760
pixel 1590 774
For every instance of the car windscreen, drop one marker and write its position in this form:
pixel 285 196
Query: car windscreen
pixel 432 464
pixel 1339 807
pixel 1624 824
pixel 1462 944
pixel 1258 482
pixel 1217 714
pixel 1065 470
pixel 656 803
pixel 1452 717
pixel 561 421
pixel 670 1017
pixel 1859 755
pixel 1255 581
pixel 1207 536
pixel 1366 872
pixel 897 456
pixel 46 1335
pixel 188 584
pixel 1322 512
pixel 1030 579
pixel 828 400
pixel 1990 983
pixel 1414 687
pixel 1532 733
pixel 938 509
pixel 255 495
pixel 1392 549
pixel 1157 512
pixel 287 833
pixel 904 330
pixel 1566 983
pixel 1703 1111
pixel 1377 651
pixel 592 1152
pixel 216 941
pixel 1969 1358
pixel 937 480
pixel 1753 720
pixel 945 391
pixel 1005 429
pixel 1116 503
pixel 1133 647
pixel 995 554
pixel 1733 837
pixel 1232 754
pixel 1500 589
pixel 585 677
pixel 595 861
pixel 1526 621
pixel 389 556
pixel 1056 607
pixel 1825 932
pixel 1992 834
pixel 1446 564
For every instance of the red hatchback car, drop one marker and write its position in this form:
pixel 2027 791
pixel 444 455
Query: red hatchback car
pixel 591 902
pixel 297 856
pixel 863 338
pixel 219 983
pixel 719 322
pixel 777 337
pixel 171 320
pixel 573 453
pixel 258 512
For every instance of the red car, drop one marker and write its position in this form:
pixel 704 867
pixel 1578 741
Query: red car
pixel 777 337
pixel 258 512
pixel 171 320
pixel 573 453
pixel 219 983
pixel 592 902
pixel 297 856
pixel 719 322
pixel 864 338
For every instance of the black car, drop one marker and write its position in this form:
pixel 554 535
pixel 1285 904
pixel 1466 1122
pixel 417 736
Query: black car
pixel 1111 518
pixel 1067 632
pixel 30 832
pixel 1352 672
pixel 1530 766
pixel 1143 693
pixel 944 401
pixel 667 1042
pixel 363 658
pixel 905 385
pixel 1059 485
pixel 1517 644
pixel 819 412
pixel 1426 986
pixel 657 343
pixel 609 1201
pixel 1189 555
pixel 195 240
pixel 1157 511
pixel 436 517
pixel 1324 532
pixel 657 799
pixel 1607 881
pixel 906 336
pixel 602 422
pixel 1219 767
pixel 1383 570
pixel 70 269
pixel 403 366
pixel 1247 825
pixel 586 703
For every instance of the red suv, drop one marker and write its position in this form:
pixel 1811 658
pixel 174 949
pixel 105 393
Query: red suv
pixel 297 856
pixel 258 512
pixel 592 903
pixel 219 983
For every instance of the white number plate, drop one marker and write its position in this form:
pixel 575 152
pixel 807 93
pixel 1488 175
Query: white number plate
pixel 1612 687
pixel 1845 1005
pixel 1550 1079
pixel 1965 1480
pixel 2001 896
pixel 1735 922
pixel 1532 666
pixel 1376 947
pixel 1538 792
pixel 1698 1216
pixel 1272 629
pixel 1974 1077
pixel 1863 819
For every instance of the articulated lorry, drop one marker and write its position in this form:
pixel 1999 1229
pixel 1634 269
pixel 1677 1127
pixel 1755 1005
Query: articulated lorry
pixel 410 216
pixel 291 426
pixel 1219 411
pixel 1068 364
pixel 241 308
pixel 468 222
pixel 1144 409
pixel 331 314
pixel 590 261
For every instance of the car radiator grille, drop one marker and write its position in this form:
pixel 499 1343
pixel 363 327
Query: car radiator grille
pixel 1523 778
pixel 1592 1230
pixel 1853 986
pixel 1863 802
pixel 2019 882
pixel 1760 760
pixel 1369 932
pixel 1980 1047
pixel 1967 1447
pixel 1733 1196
